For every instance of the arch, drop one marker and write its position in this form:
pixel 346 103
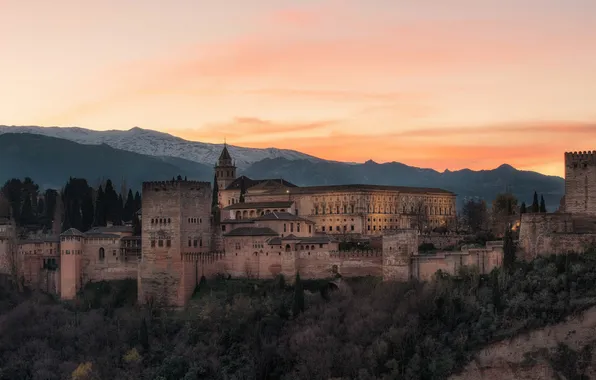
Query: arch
pixel 102 253
pixel 288 248
pixel 238 215
pixel 244 214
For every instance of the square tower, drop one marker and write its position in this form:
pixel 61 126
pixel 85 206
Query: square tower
pixel 580 183
pixel 176 222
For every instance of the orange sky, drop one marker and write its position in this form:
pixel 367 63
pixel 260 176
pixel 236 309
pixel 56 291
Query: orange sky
pixel 441 84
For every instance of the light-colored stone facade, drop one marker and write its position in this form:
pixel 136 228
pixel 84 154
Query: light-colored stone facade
pixel 580 183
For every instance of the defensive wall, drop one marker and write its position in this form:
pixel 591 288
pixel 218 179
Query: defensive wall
pixel 580 182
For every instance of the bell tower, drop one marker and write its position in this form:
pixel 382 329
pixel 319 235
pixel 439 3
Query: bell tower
pixel 225 170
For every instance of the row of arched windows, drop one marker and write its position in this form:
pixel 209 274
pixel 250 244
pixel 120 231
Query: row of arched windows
pixel 161 221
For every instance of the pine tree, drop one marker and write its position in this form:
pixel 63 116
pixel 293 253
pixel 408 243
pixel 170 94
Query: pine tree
pixel 298 306
pixel 522 209
pixel 535 205
pixel 542 204
pixel 508 250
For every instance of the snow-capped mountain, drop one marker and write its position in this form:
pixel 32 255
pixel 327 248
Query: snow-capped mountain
pixel 153 143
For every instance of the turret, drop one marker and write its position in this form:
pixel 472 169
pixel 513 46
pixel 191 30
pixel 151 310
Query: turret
pixel 225 170
pixel 580 182
pixel 71 251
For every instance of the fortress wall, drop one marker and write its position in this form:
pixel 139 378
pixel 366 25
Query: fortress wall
pixel 484 259
pixel 580 182
pixel 398 250
pixel 535 230
pixel 441 241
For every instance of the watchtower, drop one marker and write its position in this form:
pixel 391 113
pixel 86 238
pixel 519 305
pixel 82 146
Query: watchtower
pixel 580 182
pixel 176 222
pixel 71 251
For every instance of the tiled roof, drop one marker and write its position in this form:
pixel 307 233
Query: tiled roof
pixel 110 229
pixel 72 232
pixel 102 235
pixel 259 205
pixel 252 231
pixel 277 215
pixel 237 221
pixel 250 183
pixel 41 239
pixel 360 187
pixel 131 238
pixel 301 240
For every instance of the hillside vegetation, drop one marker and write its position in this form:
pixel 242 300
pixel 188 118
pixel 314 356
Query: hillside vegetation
pixel 237 329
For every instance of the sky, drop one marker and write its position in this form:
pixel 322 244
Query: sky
pixel 445 84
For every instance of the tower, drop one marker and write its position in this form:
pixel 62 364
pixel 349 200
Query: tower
pixel 225 170
pixel 71 250
pixel 580 183
pixel 176 233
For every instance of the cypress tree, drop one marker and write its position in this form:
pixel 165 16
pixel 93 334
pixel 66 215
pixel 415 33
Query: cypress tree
pixel 542 204
pixel 27 216
pixel 242 190
pixel 535 205
pixel 138 203
pixel 100 208
pixel 40 208
pixel 87 211
pixel 118 211
pixel 508 250
pixel 215 195
pixel 522 209
pixel 298 306
pixel 129 207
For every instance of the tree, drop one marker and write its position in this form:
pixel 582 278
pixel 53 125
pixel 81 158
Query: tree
pixel 535 205
pixel 503 209
pixel 215 195
pixel 27 216
pixel 4 206
pixel 298 305
pixel 138 203
pixel 542 204
pixel 87 211
pixel 419 216
pixel 242 190
pixel 475 215
pixel 100 208
pixel 522 209
pixel 508 249
pixel 144 335
pixel 129 207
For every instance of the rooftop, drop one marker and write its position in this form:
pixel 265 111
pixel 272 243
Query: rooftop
pixel 259 205
pixel 282 215
pixel 252 231
pixel 250 183
pixel 303 240
pixel 72 232
pixel 363 187
pixel 110 229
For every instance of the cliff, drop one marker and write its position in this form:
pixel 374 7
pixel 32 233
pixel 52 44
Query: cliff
pixel 553 352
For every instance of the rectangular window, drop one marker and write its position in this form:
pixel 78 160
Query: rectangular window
pixel 113 252
pixel 189 242
pixel 195 243
pixel 68 252
pixel 330 228
pixel 200 242
pixel 160 243
pixel 223 227
pixel 368 227
pixel 153 243
pixel 320 245
pixel 285 228
pixel 337 228
pixel 291 227
pixel 298 227
pixel 168 243
pixel 309 228
pixel 323 228
pixel 352 227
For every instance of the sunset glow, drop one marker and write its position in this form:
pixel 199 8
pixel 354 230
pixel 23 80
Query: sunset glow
pixel 440 84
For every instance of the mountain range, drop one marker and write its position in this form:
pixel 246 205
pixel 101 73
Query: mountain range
pixel 150 155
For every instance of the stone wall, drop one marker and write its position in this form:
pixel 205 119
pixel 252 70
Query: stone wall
pixel 536 230
pixel 484 259
pixel 176 217
pixel 442 241
pixel 580 182
pixel 397 252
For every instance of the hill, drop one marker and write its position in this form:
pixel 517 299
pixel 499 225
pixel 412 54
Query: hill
pixel 466 183
pixel 51 161
pixel 153 143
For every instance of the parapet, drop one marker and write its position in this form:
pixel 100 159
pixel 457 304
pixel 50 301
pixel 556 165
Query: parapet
pixel 175 185
pixel 582 156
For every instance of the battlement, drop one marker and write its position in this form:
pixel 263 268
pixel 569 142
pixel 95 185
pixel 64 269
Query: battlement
pixel 175 185
pixel 580 157
pixel 357 253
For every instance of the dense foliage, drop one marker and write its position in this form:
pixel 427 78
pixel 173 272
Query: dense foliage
pixel 237 329
pixel 77 205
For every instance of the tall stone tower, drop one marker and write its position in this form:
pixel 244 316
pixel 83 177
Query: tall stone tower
pixel 225 170
pixel 71 252
pixel 176 233
pixel 580 183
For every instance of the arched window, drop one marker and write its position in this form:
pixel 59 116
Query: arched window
pixel 102 253
pixel 288 248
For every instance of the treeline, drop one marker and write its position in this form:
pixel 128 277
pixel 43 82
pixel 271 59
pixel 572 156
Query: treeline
pixel 77 205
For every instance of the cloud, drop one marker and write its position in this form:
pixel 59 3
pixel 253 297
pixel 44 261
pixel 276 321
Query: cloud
pixel 536 128
pixel 251 129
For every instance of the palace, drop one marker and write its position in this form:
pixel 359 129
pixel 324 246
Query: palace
pixel 254 228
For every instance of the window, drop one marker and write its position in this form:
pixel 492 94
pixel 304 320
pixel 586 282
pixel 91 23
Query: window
pixel 152 242
pixel 285 228
pixel 189 243
pixel 298 227
pixel 102 253
pixel 309 228
pixel 291 227
pixel 168 243
pixel 223 227
pixel 352 227
pixel 160 243
pixel 195 243
pixel 200 242
pixel 323 228
pixel 113 252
